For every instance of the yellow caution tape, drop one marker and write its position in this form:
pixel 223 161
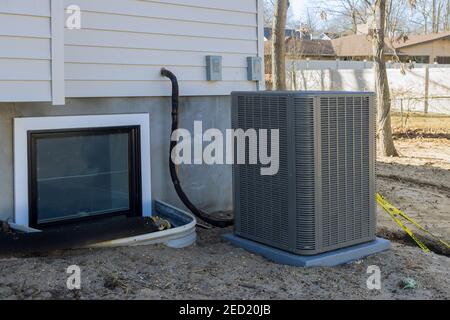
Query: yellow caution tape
pixel 396 213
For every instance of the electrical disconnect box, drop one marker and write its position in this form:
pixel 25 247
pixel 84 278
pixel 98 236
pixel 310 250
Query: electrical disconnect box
pixel 254 68
pixel 214 68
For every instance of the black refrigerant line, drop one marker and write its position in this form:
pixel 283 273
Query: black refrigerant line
pixel 220 223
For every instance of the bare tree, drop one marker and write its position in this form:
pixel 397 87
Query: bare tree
pixel 347 14
pixel 269 9
pixel 439 15
pixel 384 131
pixel 279 45
pixel 397 17
pixel 447 16
pixel 434 16
pixel 268 13
pixel 423 10
pixel 344 16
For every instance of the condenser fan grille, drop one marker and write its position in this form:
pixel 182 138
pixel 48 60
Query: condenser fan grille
pixel 345 150
pixel 263 199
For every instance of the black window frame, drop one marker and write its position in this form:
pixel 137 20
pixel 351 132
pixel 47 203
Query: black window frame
pixel 134 169
pixel 424 59
pixel 443 59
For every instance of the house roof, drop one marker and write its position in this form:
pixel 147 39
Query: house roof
pixel 357 45
pixel 306 48
pixel 331 35
pixel 412 40
pixel 288 33
pixel 361 44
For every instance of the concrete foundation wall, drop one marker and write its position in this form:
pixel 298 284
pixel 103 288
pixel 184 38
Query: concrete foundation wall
pixel 209 187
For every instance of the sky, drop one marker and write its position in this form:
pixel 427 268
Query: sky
pixel 299 7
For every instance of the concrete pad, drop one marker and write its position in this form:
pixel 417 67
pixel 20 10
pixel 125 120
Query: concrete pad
pixel 328 259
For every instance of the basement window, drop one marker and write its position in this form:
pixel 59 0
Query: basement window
pixel 83 167
pixel 83 174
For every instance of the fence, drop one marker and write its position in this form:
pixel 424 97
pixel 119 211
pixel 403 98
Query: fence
pixel 415 87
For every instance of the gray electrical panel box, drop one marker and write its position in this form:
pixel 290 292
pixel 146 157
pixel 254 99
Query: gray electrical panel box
pixel 323 196
pixel 213 68
pixel 254 69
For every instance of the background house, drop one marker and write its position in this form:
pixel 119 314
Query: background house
pixel 112 66
pixel 358 47
pixel 300 49
pixel 288 33
pixel 427 48
pixel 430 48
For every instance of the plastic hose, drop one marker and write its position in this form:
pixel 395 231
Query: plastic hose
pixel 220 223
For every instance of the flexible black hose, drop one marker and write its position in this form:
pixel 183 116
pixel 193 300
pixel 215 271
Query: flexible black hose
pixel 220 223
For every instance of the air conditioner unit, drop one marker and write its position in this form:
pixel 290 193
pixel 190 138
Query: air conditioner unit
pixel 323 197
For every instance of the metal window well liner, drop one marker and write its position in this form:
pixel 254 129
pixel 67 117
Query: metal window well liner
pixel 181 235
pixel 114 232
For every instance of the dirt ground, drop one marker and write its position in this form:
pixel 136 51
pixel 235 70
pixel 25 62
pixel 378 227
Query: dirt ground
pixel 215 270
pixel 418 183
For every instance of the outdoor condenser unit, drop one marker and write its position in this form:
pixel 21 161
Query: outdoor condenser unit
pixel 323 197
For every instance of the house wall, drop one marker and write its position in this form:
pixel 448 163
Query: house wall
pixel 25 50
pixel 112 65
pixel 209 187
pixel 433 49
pixel 122 45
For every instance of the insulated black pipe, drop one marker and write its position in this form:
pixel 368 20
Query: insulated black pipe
pixel 220 223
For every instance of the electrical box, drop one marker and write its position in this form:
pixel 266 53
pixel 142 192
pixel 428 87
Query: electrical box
pixel 214 68
pixel 254 69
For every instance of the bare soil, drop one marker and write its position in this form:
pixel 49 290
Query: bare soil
pixel 212 269
pixel 418 183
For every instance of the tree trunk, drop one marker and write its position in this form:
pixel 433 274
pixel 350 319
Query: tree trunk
pixel 279 45
pixel 384 130
pixel 424 12
pixel 354 22
pixel 433 17
pixel 447 16
pixel 441 13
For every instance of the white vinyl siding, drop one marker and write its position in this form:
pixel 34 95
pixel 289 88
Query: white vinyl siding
pixel 122 45
pixel 25 50
pixel 36 8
